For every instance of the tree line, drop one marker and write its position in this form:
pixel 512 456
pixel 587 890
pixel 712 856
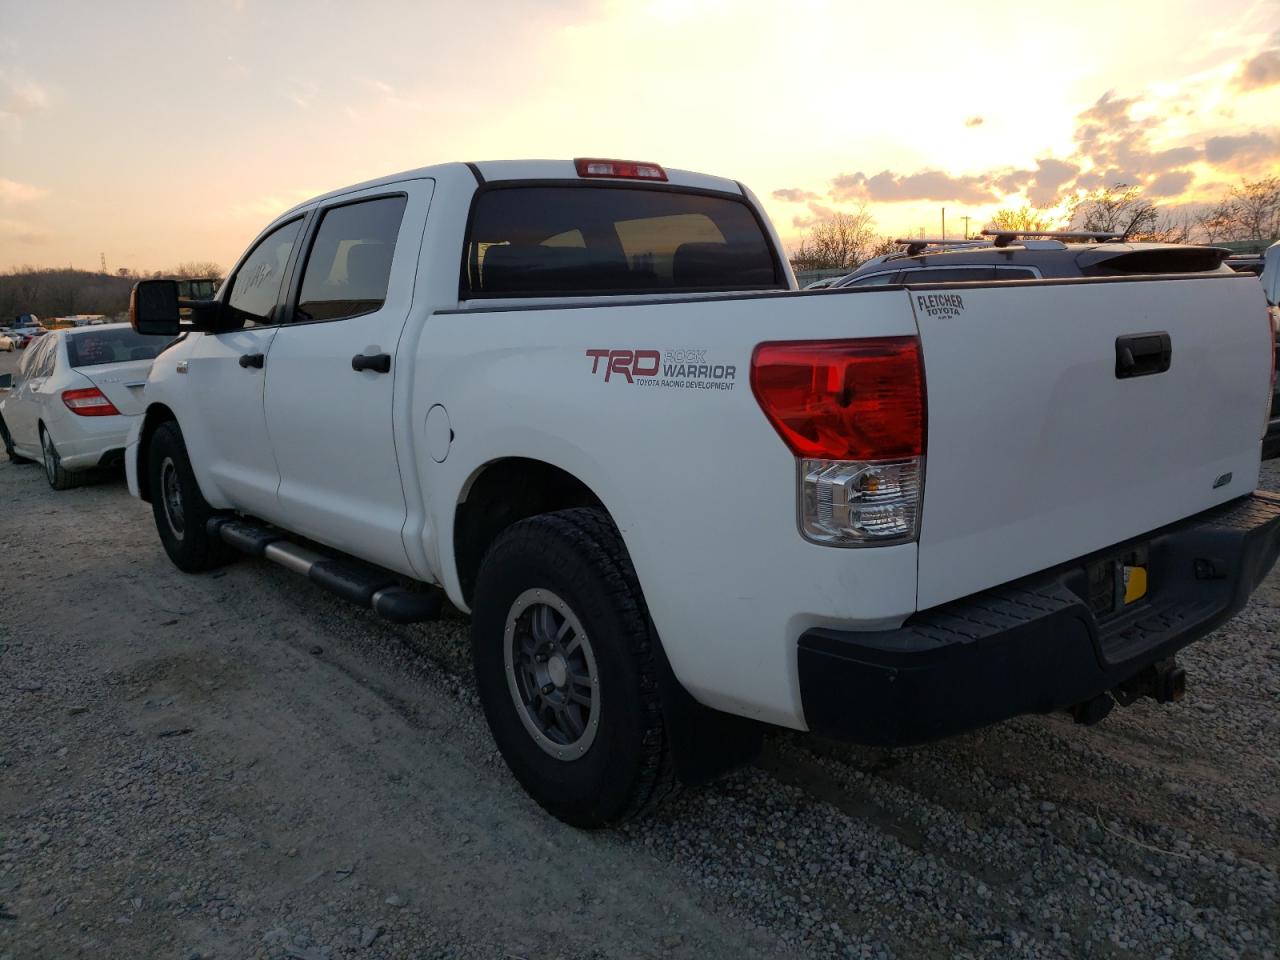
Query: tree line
pixel 1250 211
pixel 60 292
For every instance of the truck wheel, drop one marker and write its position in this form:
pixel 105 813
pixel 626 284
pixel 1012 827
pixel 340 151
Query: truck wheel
pixel 181 511
pixel 564 664
pixel 58 477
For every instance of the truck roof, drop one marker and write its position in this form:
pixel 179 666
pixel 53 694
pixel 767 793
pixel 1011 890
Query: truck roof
pixel 494 170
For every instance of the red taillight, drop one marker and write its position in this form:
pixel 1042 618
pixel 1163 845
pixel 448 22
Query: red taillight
pixel 843 399
pixel 89 403
pixel 619 169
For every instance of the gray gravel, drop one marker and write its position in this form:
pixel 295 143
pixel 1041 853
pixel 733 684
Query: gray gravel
pixel 183 775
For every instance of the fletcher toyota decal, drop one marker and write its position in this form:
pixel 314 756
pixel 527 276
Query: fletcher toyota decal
pixel 673 369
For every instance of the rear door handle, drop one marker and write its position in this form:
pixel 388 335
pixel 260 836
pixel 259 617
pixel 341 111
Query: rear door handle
pixel 251 360
pixel 1142 354
pixel 377 362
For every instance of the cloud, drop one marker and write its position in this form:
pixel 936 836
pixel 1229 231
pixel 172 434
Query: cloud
pixel 817 212
pixel 889 187
pixel 794 195
pixel 974 122
pixel 23 232
pixel 20 97
pixel 1244 152
pixel 1169 184
pixel 11 191
pixel 1262 70
pixel 1049 178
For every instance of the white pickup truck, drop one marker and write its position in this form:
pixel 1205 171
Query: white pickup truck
pixel 683 501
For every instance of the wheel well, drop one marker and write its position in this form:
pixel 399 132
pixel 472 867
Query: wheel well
pixel 506 492
pixel 156 415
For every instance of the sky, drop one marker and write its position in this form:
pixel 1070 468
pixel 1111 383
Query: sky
pixel 160 132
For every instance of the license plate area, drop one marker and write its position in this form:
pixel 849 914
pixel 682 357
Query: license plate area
pixel 1118 583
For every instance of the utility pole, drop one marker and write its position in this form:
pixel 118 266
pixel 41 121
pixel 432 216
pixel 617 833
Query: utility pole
pixel 102 258
pixel 944 224
pixel 966 227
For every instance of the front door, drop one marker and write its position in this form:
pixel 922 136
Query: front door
pixel 332 368
pixel 228 441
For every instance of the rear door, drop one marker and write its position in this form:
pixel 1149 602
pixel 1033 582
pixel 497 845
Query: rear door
pixel 1044 445
pixel 332 373
pixel 22 408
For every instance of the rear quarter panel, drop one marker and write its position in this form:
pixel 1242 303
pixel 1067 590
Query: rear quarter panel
pixel 701 487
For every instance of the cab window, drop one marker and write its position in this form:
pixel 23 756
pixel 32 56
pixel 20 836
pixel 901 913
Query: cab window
pixel 255 288
pixel 349 265
pixel 949 274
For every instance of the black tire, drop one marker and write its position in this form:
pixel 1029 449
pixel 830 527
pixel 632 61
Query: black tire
pixel 577 557
pixel 180 509
pixel 7 439
pixel 58 476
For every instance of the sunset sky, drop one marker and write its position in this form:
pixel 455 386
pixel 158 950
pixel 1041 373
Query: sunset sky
pixel 158 132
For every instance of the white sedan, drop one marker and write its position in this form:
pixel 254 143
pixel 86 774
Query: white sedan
pixel 8 343
pixel 75 397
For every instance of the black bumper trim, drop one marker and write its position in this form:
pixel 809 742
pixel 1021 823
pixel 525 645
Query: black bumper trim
pixel 1035 646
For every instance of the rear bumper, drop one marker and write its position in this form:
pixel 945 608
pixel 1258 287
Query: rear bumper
pixel 1035 645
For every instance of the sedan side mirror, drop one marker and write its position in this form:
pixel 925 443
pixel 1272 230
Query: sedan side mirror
pixel 153 308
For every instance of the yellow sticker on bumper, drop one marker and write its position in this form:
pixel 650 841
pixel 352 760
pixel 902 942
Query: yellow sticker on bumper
pixel 1135 583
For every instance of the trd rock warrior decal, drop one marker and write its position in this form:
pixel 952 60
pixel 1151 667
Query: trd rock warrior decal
pixel 674 369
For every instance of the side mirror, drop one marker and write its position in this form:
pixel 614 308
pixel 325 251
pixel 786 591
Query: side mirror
pixel 1271 274
pixel 153 308
pixel 6 381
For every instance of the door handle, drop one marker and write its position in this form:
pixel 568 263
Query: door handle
pixel 377 362
pixel 1142 354
pixel 251 360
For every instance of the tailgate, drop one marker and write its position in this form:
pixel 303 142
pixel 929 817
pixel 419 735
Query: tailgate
pixel 121 382
pixel 1038 452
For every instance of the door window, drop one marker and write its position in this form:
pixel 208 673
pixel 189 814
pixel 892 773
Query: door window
pixel 255 289
pixel 349 265
pixel 874 280
pixel 949 275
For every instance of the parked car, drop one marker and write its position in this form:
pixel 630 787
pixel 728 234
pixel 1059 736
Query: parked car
pixel 1271 290
pixel 1245 263
pixel 1027 256
pixel 76 394
pixel 681 500
pixel 8 341
pixel 19 338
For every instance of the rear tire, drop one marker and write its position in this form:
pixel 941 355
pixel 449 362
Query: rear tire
pixel 59 477
pixel 180 509
pixel 565 668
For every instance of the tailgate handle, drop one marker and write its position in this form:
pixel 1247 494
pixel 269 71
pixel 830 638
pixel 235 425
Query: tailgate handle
pixel 1142 354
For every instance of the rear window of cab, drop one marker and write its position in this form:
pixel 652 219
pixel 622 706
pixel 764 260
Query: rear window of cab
pixel 593 240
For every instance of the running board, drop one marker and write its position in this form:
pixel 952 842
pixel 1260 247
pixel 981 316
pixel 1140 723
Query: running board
pixel 364 585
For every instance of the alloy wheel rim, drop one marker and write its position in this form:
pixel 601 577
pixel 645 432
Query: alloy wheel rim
pixel 551 674
pixel 171 496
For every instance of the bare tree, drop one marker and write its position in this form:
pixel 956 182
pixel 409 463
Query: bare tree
pixel 841 241
pixel 1217 223
pixel 1119 208
pixel 1255 206
pixel 1025 218
pixel 192 270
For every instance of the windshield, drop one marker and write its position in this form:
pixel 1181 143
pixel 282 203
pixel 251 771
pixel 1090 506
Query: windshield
pixel 95 347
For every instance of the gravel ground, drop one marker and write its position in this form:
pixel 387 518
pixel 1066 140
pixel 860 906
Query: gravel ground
pixel 237 765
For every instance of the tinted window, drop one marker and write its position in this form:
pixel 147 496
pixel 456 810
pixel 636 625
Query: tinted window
pixel 872 281
pixel 39 359
pixel 256 286
pixel 350 260
pixel 111 346
pixel 590 240
pixel 949 275
pixel 1016 273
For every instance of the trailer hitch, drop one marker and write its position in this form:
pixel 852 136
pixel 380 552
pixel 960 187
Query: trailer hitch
pixel 1164 682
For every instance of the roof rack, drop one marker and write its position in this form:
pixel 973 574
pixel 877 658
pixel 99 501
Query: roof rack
pixel 1005 237
pixel 915 245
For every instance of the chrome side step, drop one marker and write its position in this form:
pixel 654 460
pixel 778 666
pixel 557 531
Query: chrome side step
pixel 360 583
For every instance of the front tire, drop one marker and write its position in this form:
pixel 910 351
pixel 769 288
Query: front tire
pixel 180 509
pixel 564 660
pixel 58 476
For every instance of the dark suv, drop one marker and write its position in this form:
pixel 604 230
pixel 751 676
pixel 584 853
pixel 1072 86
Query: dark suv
pixel 1022 256
pixel 1025 256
